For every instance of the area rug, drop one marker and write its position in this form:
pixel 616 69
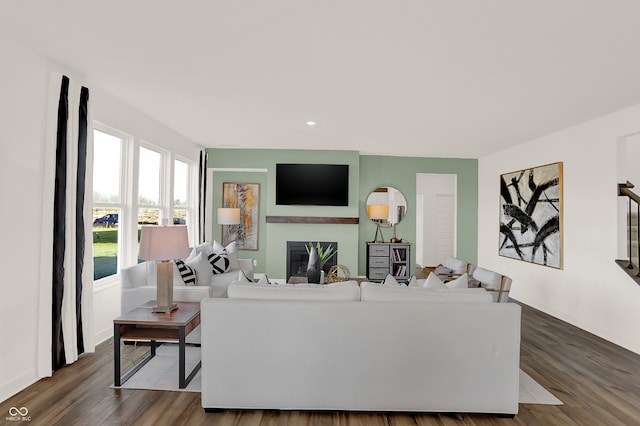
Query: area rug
pixel 532 392
pixel 161 373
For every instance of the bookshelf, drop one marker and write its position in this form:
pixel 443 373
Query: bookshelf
pixel 388 258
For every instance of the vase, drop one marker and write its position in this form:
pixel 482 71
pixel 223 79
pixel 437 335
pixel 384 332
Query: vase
pixel 313 267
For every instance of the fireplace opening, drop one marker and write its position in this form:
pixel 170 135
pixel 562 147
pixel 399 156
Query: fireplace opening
pixel 298 258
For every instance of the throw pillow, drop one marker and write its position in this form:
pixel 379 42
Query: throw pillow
pixel 187 273
pixel 390 280
pixel 433 281
pixel 460 282
pixel 264 280
pixel 205 248
pixel 219 263
pixel 413 282
pixel 242 277
pixel 230 251
pixel 442 270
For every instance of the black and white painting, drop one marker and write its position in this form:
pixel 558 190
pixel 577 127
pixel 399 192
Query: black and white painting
pixel 531 215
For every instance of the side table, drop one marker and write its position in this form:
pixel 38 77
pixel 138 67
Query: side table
pixel 144 325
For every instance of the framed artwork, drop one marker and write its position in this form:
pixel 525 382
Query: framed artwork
pixel 531 215
pixel 246 197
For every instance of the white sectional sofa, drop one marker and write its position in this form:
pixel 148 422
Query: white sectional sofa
pixel 138 282
pixel 321 347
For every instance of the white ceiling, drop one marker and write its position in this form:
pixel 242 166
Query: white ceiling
pixel 457 78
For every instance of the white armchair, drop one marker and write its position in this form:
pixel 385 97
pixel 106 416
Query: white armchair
pixel 457 266
pixel 498 285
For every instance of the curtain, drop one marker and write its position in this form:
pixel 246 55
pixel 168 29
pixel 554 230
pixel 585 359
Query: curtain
pixel 71 267
pixel 202 196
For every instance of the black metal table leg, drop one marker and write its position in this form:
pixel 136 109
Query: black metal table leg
pixel 183 381
pixel 116 355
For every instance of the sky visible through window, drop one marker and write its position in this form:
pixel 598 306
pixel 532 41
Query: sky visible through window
pixel 107 151
pixel 180 188
pixel 106 167
pixel 149 177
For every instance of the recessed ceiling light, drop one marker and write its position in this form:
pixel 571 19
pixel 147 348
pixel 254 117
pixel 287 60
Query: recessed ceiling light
pixel 311 123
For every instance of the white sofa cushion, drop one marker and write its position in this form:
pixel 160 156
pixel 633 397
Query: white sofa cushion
pixel 457 266
pixel 264 280
pixel 390 280
pixel 374 292
pixel 134 276
pixel 413 282
pixel 489 279
pixel 340 291
pixel 432 281
pixel 460 282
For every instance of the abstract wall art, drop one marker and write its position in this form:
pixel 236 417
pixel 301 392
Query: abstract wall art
pixel 246 197
pixel 531 215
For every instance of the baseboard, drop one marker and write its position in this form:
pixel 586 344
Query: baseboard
pixel 104 335
pixel 9 389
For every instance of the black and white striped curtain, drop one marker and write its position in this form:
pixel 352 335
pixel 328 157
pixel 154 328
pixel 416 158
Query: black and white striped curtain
pixel 202 197
pixel 71 278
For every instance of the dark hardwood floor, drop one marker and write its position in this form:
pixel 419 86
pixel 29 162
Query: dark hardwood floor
pixel 598 382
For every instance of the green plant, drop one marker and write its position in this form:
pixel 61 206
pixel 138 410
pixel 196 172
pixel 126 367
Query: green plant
pixel 323 255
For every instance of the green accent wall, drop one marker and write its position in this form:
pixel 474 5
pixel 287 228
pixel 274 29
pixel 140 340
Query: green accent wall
pixel 272 237
pixel 366 172
pixel 400 172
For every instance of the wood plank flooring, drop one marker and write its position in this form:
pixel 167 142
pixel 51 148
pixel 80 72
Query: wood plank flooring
pixel 598 382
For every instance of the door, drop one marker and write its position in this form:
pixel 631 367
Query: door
pixel 435 218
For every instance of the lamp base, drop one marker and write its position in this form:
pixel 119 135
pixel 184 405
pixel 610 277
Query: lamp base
pixel 378 232
pixel 165 309
pixel 164 291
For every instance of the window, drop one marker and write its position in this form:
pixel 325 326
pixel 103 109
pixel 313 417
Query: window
pixel 149 187
pixel 129 190
pixel 180 192
pixel 107 201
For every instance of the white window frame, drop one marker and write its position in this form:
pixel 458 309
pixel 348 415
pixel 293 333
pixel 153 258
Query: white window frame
pixel 125 154
pixel 129 203
pixel 192 196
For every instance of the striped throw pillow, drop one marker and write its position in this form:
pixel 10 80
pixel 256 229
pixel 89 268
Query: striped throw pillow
pixel 187 273
pixel 219 262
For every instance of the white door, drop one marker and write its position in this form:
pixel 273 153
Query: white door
pixel 435 218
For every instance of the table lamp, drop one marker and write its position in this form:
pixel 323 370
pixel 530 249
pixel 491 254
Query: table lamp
pixel 228 216
pixel 378 213
pixel 164 243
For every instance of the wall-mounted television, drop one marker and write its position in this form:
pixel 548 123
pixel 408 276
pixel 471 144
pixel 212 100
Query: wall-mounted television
pixel 312 184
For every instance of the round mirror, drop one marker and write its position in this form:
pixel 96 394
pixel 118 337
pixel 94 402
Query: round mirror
pixel 386 206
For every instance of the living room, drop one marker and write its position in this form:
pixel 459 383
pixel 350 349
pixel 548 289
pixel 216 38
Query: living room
pixel 590 291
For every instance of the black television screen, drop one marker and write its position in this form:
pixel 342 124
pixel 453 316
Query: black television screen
pixel 312 184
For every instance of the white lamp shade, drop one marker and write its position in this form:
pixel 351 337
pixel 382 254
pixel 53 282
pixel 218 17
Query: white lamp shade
pixel 164 242
pixel 378 211
pixel 228 216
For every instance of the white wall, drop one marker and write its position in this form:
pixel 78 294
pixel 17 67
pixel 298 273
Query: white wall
pixel 24 84
pixel 591 292
pixel 114 113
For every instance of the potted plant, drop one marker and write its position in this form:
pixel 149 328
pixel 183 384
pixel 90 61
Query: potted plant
pixel 323 255
pixel 318 256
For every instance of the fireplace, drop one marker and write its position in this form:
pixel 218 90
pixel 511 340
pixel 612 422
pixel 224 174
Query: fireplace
pixel 297 258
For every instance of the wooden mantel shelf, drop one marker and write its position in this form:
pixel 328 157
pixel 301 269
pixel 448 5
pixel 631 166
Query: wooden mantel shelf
pixel 314 219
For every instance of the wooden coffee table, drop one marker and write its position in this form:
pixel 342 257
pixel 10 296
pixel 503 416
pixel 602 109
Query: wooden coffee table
pixel 141 324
